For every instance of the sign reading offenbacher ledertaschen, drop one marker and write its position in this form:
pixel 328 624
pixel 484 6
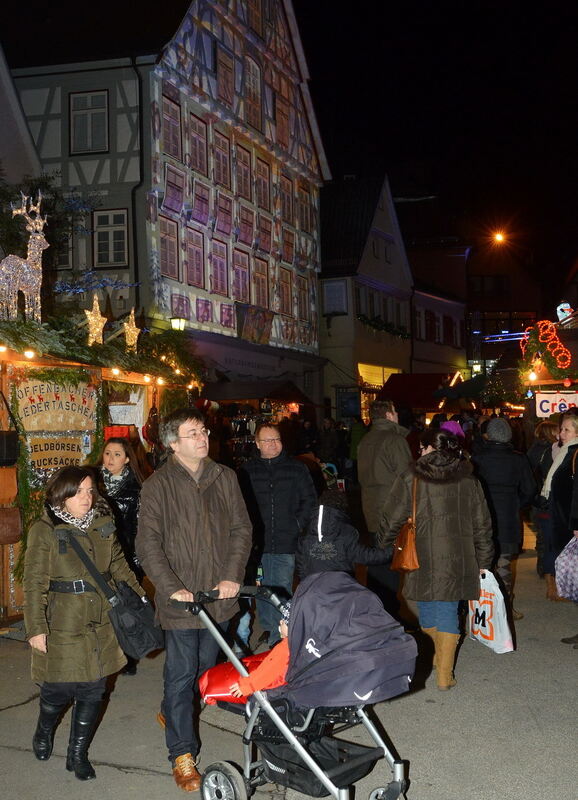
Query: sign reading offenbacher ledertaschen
pixel 548 403
pixel 49 406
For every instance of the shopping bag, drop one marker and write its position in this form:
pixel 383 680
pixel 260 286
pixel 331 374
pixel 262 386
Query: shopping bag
pixel 567 571
pixel 487 618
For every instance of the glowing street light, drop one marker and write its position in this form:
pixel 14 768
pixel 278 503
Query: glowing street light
pixel 499 237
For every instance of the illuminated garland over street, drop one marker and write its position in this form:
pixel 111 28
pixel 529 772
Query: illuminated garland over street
pixel 541 341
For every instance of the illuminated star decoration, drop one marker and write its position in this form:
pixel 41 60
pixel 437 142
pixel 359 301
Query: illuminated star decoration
pixel 96 322
pixel 131 332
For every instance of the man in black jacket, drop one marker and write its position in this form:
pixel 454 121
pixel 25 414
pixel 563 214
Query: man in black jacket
pixel 280 497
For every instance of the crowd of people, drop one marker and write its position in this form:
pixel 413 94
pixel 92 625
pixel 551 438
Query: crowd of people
pixel 196 524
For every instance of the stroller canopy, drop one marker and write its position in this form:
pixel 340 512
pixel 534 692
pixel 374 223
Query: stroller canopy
pixel 345 648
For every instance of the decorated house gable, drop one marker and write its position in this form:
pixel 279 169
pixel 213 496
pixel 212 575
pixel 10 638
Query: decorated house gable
pixel 237 164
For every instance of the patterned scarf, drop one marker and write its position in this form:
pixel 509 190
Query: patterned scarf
pixel 112 482
pixel 83 522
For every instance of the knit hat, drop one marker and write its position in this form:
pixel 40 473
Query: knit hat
pixel 451 426
pixel 499 430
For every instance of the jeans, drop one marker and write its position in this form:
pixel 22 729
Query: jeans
pixel 278 570
pixel 60 694
pixel 188 654
pixel 440 614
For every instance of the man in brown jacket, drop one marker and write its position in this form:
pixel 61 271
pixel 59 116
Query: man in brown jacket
pixel 194 534
pixel 382 455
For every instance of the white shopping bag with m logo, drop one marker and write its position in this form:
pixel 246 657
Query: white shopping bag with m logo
pixel 487 618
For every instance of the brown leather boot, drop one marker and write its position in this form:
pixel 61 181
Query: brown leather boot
pixel 446 644
pixel 551 590
pixel 185 773
pixel 432 633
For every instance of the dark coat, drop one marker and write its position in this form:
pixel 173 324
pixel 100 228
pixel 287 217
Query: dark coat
pixel 82 645
pixel 280 497
pixel 508 483
pixel 540 458
pixel 453 528
pixel 192 536
pixel 563 500
pixel 124 503
pixel 339 547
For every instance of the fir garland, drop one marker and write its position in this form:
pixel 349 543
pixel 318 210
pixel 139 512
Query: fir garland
pixel 378 324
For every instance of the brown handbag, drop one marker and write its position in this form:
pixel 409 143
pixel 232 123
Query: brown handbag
pixel 10 525
pixel 404 550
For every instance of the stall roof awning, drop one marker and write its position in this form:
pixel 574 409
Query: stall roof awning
pixel 416 391
pixel 234 391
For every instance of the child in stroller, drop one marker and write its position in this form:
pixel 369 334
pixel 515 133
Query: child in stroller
pixel 345 651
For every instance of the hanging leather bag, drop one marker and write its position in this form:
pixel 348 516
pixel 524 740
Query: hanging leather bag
pixel 404 549
pixel 10 525
pixel 9 440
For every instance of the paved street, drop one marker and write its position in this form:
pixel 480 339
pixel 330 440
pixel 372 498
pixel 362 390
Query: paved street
pixel 507 731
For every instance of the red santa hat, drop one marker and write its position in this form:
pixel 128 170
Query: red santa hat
pixel 206 406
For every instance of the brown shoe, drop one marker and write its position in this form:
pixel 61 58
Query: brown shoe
pixel 161 719
pixel 185 773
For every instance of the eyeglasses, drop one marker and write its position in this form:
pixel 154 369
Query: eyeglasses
pixel 268 441
pixel 201 433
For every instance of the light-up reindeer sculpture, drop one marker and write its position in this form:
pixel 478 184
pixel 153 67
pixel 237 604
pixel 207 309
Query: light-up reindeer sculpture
pixel 24 275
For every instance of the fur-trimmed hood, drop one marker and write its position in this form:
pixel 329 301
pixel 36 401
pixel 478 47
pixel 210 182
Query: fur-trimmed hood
pixel 440 467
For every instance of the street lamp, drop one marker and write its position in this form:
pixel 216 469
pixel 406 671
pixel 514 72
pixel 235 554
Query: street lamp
pixel 178 323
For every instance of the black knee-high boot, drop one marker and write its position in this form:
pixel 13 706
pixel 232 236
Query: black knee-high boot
pixel 83 724
pixel 43 739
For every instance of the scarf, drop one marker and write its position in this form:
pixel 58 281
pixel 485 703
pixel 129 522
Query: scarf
pixel 112 482
pixel 560 456
pixel 83 522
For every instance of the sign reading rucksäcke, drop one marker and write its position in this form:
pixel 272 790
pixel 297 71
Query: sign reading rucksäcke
pixel 52 453
pixel 50 406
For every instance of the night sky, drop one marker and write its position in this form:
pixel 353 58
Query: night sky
pixel 474 102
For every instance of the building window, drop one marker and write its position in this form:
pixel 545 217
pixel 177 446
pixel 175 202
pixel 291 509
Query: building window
pixel 89 122
pixel 198 145
pixel 302 298
pixel 246 226
pixel 287 199
pixel 240 276
pixel 304 208
pixel 169 248
pixel 171 128
pixel 201 203
pixel 282 122
pixel 375 247
pixel 448 330
pixel 419 324
pixel 265 228
pixel 174 190
pixel 222 160
pixel 430 326
pixel 252 94
pixel 243 171
pixel 64 251
pixel 195 258
pixel 288 248
pixel 261 282
pixel 438 328
pixel 359 299
pixel 225 77
pixel 110 238
pixel 254 16
pixel 285 304
pixel 224 213
pixel 219 282
pixel 263 190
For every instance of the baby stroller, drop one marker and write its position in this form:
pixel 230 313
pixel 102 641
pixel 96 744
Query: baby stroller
pixel 345 651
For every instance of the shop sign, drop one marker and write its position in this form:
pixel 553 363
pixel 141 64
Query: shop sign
pixel 54 452
pixel 50 406
pixel 548 403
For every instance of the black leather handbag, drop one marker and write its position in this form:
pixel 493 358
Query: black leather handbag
pixel 9 441
pixel 131 616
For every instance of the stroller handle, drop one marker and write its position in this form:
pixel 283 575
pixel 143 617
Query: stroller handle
pixel 262 592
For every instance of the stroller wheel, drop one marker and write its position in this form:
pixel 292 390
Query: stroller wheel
pixel 222 781
pixel 393 791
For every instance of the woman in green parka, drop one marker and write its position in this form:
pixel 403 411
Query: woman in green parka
pixel 74 647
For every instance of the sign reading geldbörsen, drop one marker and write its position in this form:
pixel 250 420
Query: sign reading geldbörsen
pixel 52 453
pixel 548 403
pixel 50 406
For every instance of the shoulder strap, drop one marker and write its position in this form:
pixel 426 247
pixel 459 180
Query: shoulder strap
pixel 413 498
pixel 9 410
pixel 111 596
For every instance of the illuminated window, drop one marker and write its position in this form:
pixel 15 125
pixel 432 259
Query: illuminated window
pixel 169 248
pixel 174 190
pixel 198 144
pixel 261 282
pixel 224 213
pixel 222 160
pixel 171 128
pixel 219 282
pixel 288 249
pixel 375 374
pixel 195 259
pixel 243 172
pixel 265 228
pixel 240 276
pixel 285 301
